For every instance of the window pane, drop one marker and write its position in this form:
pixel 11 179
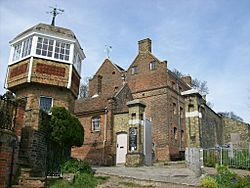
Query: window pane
pixel 45 41
pixel 50 48
pixel 44 53
pixel 38 52
pixel 45 103
pixel 49 54
pixel 40 39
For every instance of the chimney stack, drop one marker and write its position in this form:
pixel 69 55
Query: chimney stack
pixel 144 45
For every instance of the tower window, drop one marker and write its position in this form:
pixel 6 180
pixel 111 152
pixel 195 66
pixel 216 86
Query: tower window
pixel 45 103
pixel 96 123
pixel 22 49
pixel 77 62
pixel 135 70
pixel 17 52
pixel 26 47
pixel 62 51
pixel 44 47
pixel 50 48
pixel 152 65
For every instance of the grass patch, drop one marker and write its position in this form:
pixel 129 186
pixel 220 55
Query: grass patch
pixel 131 184
pixel 81 181
pixel 101 179
pixel 60 184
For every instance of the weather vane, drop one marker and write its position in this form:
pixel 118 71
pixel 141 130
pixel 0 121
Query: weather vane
pixel 55 11
pixel 108 49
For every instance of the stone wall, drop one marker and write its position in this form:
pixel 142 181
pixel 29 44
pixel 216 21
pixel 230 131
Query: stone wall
pixel 236 133
pixel 203 126
pixel 212 128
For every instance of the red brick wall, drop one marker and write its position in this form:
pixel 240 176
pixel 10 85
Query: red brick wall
pixel 6 152
pixel 94 149
pixel 111 78
pixel 147 79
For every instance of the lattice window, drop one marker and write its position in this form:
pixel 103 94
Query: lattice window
pixel 27 47
pixel 62 51
pixel 44 47
pixel 17 52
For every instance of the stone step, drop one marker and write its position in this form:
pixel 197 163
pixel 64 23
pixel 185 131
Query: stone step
pixel 32 182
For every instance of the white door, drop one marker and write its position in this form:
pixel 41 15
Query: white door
pixel 121 148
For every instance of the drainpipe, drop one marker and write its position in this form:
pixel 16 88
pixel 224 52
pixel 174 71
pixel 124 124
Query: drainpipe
pixel 104 132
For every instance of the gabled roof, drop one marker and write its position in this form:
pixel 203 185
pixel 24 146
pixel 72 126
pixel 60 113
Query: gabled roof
pixel 107 60
pixel 138 55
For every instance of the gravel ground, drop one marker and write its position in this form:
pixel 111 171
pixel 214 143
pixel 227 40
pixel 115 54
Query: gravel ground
pixel 118 182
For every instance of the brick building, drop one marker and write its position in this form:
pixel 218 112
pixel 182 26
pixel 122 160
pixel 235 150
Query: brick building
pixel 44 70
pixel 147 79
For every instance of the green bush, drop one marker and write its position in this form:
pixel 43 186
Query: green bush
pixel 75 166
pixel 208 182
pixel 64 128
pixel 224 176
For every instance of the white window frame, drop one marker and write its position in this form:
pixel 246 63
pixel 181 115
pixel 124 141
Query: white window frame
pixel 47 98
pixel 96 121
pixel 26 47
pixel 74 45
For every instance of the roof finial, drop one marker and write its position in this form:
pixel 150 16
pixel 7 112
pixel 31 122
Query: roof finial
pixel 55 11
pixel 108 49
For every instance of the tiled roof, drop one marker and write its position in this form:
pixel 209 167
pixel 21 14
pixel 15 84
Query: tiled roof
pixel 90 104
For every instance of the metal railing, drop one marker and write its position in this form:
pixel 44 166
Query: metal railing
pixel 8 110
pixel 232 157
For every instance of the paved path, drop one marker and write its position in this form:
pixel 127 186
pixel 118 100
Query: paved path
pixel 181 176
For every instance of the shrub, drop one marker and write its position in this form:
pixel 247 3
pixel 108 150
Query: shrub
pixel 208 182
pixel 224 176
pixel 64 128
pixel 75 166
